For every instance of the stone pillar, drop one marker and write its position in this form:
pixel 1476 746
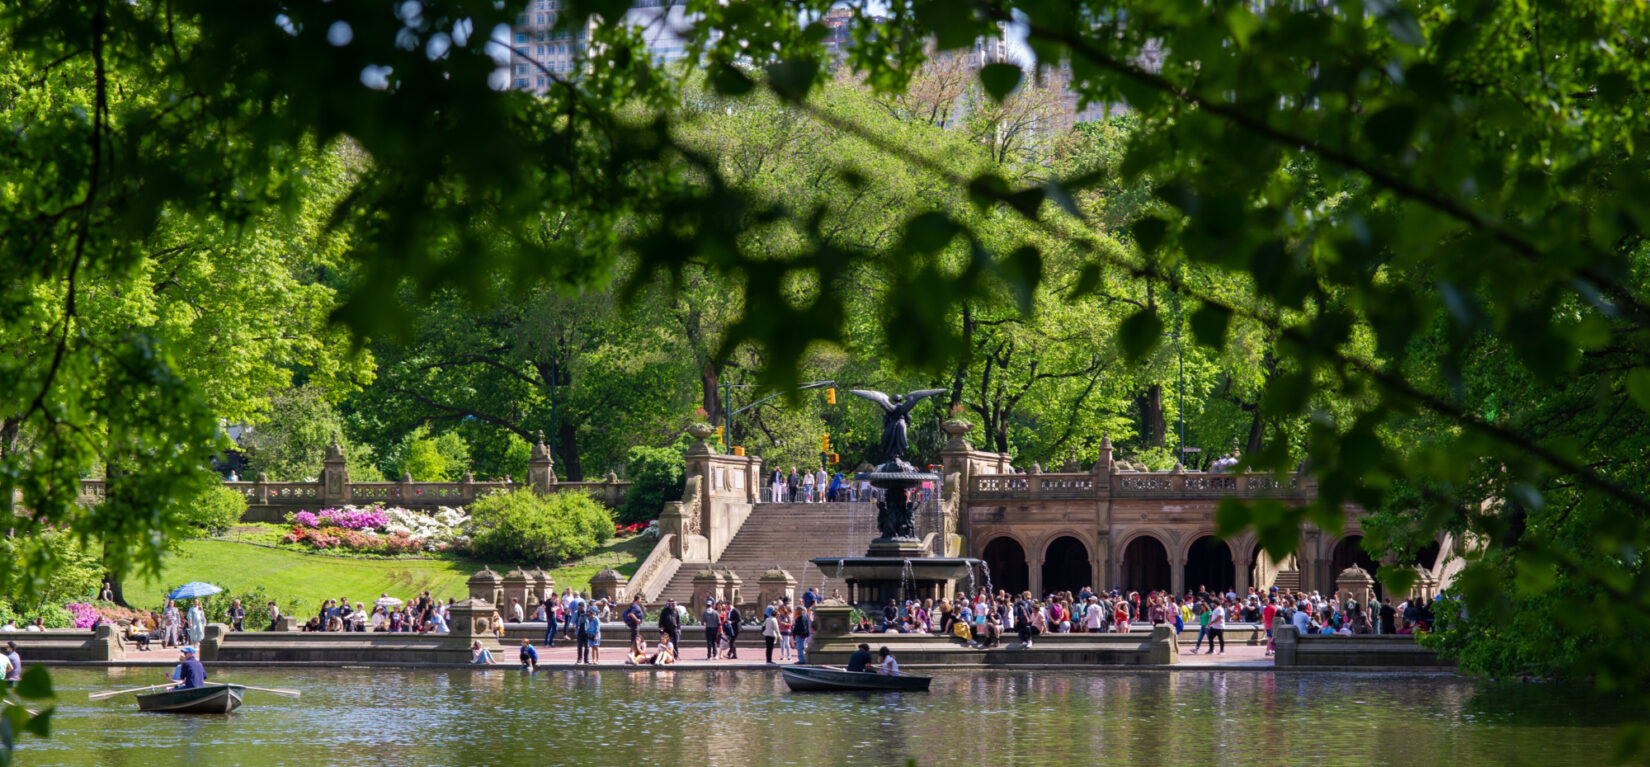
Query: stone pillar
pixel 1356 584
pixel 731 588
pixel 1285 638
pixel 610 585
pixel 1243 563
pixel 471 620
pixel 1165 646
pixel 514 586
pixel 1306 561
pixel 541 469
pixel 610 490
pixel 107 643
pixel 485 586
pixel 260 489
pixel 833 618
pixel 705 583
pixel 1102 560
pixel 1177 571
pixel 334 474
pixel 212 642
pixel 773 585
pixel 286 623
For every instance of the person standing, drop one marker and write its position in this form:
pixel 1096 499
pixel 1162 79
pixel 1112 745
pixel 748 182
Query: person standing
pixel 581 636
pixel 712 622
pixel 807 486
pixel 776 485
pixel 274 617
pixel 793 486
pixel 237 616
pixel 1389 616
pixel 770 633
pixel 169 620
pixel 633 618
pixel 802 628
pixel 670 623
pixel 593 635
pixel 730 627
pixel 15 673
pixel 821 482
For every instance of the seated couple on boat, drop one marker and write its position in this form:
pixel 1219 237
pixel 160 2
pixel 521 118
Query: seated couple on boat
pixel 638 653
pixel 189 670
pixel 862 658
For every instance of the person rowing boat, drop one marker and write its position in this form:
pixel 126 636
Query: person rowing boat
pixel 189 673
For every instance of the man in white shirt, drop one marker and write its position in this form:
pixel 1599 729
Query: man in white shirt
pixel 1217 628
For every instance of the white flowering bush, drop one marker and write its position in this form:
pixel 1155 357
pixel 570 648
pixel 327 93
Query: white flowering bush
pixel 437 530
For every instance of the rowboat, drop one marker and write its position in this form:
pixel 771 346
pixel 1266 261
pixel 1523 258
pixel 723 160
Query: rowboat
pixel 832 678
pixel 210 699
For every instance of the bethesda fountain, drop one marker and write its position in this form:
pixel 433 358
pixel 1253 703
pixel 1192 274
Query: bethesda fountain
pixel 896 565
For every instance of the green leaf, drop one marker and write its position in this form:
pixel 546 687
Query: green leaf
pixel 1024 270
pixel 1390 129
pixel 36 683
pixel 729 80
pixel 41 724
pixel 1231 516
pixel 793 78
pixel 1000 79
pixel 1397 580
pixel 1087 281
pixel 1140 334
pixel 1148 232
pixel 1613 88
pixel 930 232
pixel 1638 387
pixel 952 22
pixel 1209 324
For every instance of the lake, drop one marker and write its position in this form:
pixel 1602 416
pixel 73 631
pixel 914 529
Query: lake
pixel 741 717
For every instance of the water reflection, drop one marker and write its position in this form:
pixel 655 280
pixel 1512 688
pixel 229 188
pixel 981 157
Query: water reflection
pixel 377 716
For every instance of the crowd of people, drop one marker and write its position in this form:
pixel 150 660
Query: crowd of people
pixel 814 486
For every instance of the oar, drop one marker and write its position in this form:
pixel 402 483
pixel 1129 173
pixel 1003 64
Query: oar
pixel 150 688
pixel 287 693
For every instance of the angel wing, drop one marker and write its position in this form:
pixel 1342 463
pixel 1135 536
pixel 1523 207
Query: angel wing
pixel 874 396
pixel 913 398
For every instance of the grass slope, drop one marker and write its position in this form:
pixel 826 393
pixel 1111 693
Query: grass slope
pixel 313 578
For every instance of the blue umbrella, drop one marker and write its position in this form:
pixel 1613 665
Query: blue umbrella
pixel 193 590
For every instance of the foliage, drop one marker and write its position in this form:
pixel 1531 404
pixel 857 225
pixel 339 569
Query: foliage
pixel 440 458
pixel 291 442
pixel 74 573
pixel 523 527
pixel 656 476
pixel 254 600
pixel 217 510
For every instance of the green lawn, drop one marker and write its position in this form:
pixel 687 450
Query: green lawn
pixel 313 578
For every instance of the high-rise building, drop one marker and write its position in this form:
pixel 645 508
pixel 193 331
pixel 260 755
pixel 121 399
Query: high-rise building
pixel 543 53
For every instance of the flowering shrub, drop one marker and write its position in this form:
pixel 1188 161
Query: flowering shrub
pixel 84 614
pixel 620 530
pixel 390 530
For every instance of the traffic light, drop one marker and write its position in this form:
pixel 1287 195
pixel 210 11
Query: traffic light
pixel 825 444
pixel 719 435
pixel 830 396
pixel 833 459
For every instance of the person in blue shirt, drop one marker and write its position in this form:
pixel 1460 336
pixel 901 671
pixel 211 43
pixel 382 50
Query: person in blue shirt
pixel 593 635
pixel 529 656
pixel 860 659
pixel 189 671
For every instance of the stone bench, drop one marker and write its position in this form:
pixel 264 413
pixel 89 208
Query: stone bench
pixel 1383 650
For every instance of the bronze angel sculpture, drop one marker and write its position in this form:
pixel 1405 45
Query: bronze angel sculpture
pixel 896 420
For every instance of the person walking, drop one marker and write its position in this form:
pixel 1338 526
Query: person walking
pixel 793 487
pixel 802 628
pixel 633 618
pixel 1217 629
pixel 807 486
pixel 670 623
pixel 197 623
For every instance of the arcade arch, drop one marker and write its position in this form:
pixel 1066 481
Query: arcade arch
pixel 1006 559
pixel 1066 566
pixel 1145 565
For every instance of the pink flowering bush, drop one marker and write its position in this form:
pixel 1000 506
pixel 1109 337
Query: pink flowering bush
pixel 355 519
pixel 84 614
pixel 307 519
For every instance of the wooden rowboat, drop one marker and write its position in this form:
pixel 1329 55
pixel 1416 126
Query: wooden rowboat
pixel 831 678
pixel 210 699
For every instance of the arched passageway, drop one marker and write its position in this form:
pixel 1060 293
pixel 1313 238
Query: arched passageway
pixel 1007 561
pixel 1349 552
pixel 1427 557
pixel 1209 566
pixel 1145 566
pixel 1066 566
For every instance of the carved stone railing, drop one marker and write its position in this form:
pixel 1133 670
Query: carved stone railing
pixel 1201 485
pixel 1081 486
pixel 655 572
pixel 312 495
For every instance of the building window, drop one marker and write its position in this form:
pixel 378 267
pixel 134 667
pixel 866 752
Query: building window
pixel 521 69
pixel 521 83
pixel 521 37
pixel 541 82
pixel 521 19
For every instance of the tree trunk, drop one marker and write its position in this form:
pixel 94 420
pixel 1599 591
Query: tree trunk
pixel 1257 430
pixel 710 380
pixel 567 449
pixel 1153 429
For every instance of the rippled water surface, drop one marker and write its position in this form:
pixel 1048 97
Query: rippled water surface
pixel 359 716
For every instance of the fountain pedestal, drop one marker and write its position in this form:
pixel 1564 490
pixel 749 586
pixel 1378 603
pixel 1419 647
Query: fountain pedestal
pixel 896 566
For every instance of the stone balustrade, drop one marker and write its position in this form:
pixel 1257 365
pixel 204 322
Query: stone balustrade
pixel 268 501
pixel 1130 484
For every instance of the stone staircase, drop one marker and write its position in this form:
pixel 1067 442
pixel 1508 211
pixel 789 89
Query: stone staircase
pixel 1288 580
pixel 787 535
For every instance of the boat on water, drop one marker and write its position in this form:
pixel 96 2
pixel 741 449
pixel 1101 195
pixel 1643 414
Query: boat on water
pixel 832 678
pixel 210 699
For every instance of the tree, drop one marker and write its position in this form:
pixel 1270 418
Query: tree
pixel 290 445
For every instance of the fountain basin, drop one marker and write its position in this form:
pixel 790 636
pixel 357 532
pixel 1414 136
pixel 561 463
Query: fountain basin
pixel 872 581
